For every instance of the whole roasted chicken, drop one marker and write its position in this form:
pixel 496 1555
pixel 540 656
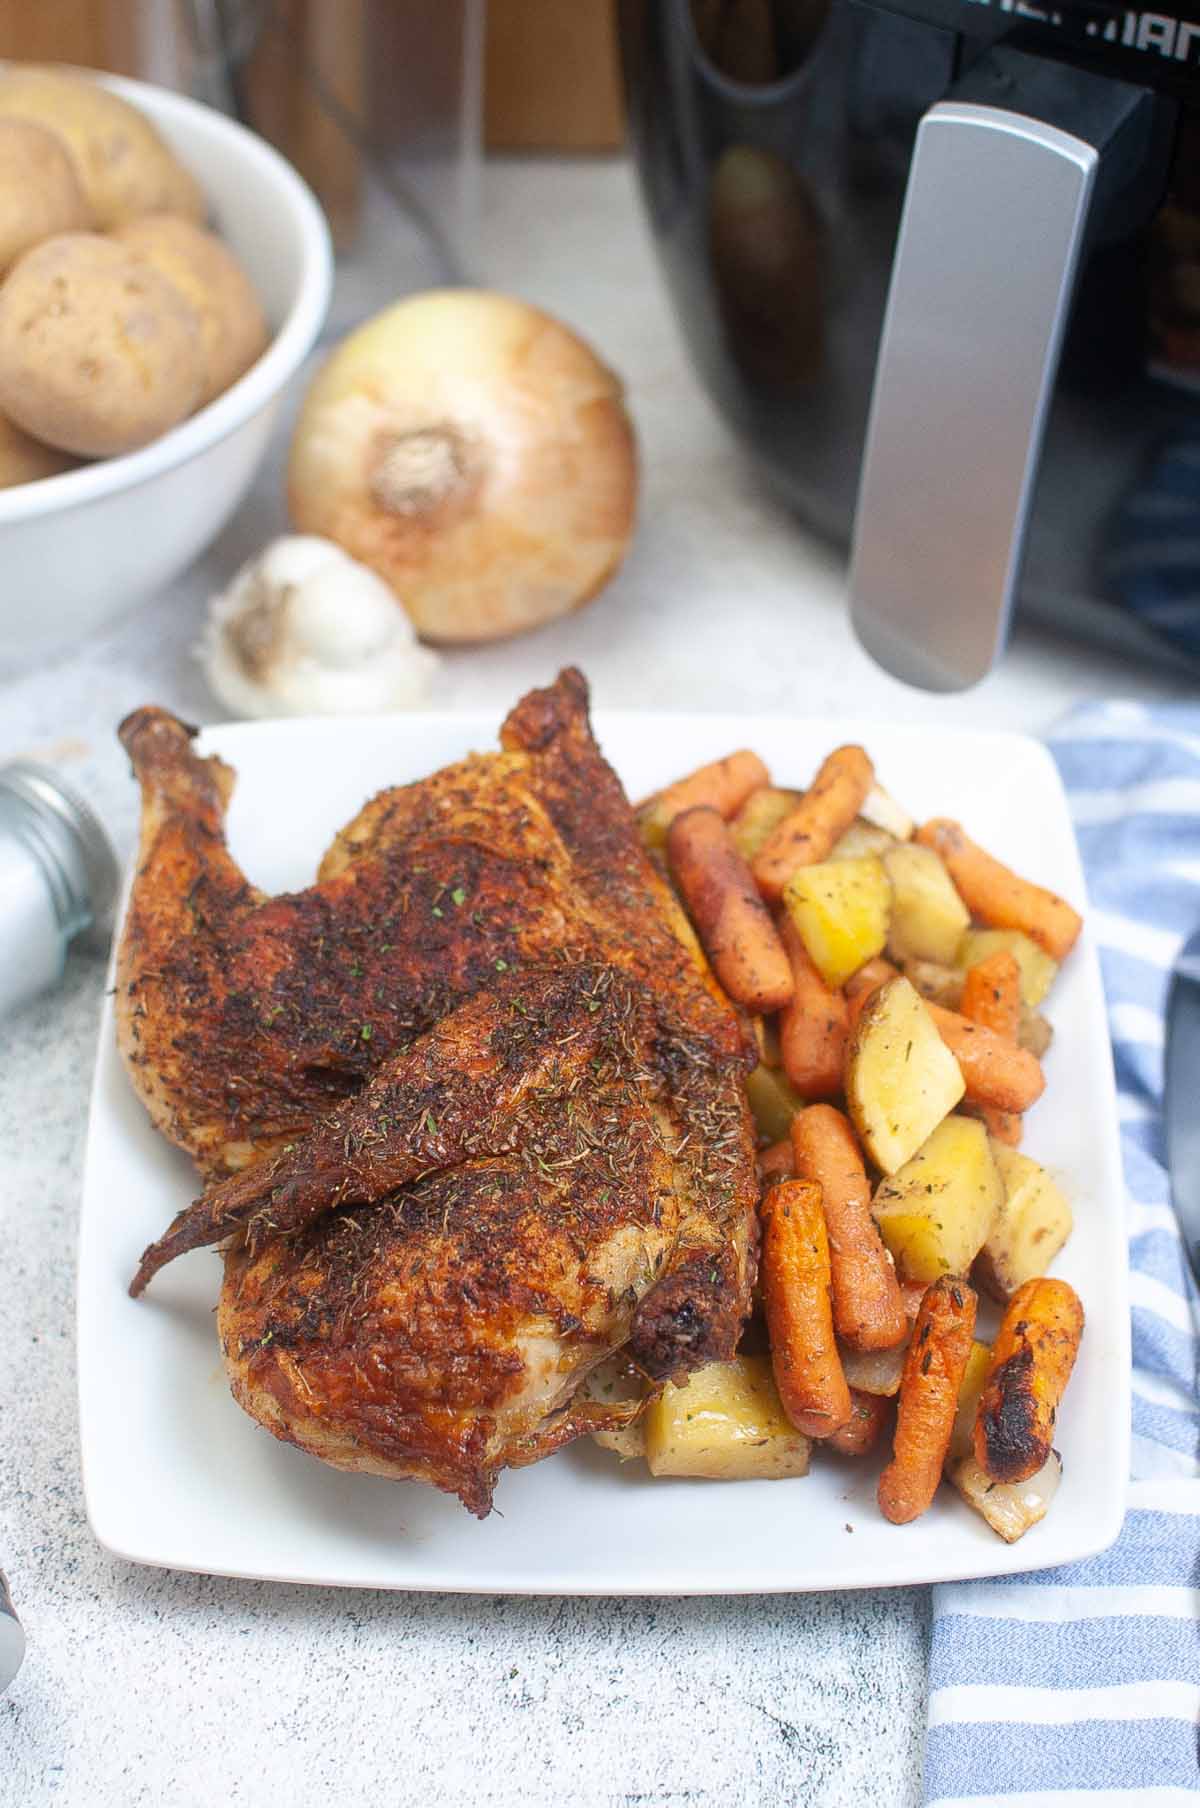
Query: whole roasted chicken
pixel 471 1107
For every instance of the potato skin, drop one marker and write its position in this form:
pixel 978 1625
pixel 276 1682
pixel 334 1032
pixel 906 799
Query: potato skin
pixel 40 192
pixel 26 460
pixel 123 165
pixel 233 329
pixel 1032 1359
pixel 98 353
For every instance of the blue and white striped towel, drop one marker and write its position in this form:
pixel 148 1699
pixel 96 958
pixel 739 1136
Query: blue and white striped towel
pixel 1083 1682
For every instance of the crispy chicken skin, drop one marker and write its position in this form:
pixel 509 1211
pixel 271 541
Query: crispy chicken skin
pixel 539 1154
pixel 242 1017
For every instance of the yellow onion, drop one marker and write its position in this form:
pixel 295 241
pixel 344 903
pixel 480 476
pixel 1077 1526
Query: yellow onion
pixel 475 454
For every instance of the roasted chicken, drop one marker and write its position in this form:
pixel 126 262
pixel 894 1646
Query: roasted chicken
pixel 539 1154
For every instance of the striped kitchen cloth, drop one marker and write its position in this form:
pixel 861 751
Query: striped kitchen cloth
pixel 1083 1682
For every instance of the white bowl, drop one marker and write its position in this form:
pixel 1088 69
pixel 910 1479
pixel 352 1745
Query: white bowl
pixel 78 549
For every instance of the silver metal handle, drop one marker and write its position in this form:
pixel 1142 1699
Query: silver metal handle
pixel 989 240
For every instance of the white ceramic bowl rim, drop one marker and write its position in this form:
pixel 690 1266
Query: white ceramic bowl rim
pixel 293 339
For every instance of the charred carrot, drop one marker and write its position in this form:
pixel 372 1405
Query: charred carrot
pixel 1032 1358
pixel 928 1399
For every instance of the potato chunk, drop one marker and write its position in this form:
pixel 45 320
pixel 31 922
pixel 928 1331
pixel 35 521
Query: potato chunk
pixel 928 916
pixel 962 1437
pixel 1010 1508
pixel 1033 1223
pixel 1038 969
pixel 841 910
pixel 901 1079
pixel 861 840
pixel 936 1212
pixel 774 1101
pixel 725 1423
pixel 762 811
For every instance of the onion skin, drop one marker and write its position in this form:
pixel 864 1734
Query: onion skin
pixel 474 453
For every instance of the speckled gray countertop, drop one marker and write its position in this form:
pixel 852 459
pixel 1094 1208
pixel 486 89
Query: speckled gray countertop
pixel 149 1687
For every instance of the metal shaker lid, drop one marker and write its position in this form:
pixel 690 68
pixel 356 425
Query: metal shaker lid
pixel 81 838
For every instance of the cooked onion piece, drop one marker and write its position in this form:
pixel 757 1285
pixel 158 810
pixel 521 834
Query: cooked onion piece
pixel 477 455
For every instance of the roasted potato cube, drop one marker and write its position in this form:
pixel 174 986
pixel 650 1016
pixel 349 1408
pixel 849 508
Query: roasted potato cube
pixel 874 1371
pixel 880 808
pixel 762 811
pixel 928 916
pixel 937 1211
pixel 941 985
pixel 901 1079
pixel 840 909
pixel 1010 1508
pixel 725 1423
pixel 861 840
pixel 1033 1223
pixel 774 1102
pixel 962 1437
pixel 1038 969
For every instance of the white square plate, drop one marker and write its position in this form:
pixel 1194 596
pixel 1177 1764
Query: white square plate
pixel 175 1474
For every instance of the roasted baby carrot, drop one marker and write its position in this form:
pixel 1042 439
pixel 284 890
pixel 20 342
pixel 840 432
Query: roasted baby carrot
pixel 862 1430
pixel 794 1274
pixel 991 994
pixel 1032 1358
pixel 928 1399
pixel 722 786
pixel 996 1071
pixel 995 895
pixel 812 1026
pixel 861 987
pixel 731 919
pixel 775 1162
pixel 868 1308
pixel 826 810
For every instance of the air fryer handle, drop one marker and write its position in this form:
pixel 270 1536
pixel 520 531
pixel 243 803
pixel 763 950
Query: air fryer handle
pixel 995 216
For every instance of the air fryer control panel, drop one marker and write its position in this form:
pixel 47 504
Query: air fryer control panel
pixel 1158 49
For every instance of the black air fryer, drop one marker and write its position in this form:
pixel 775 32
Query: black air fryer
pixel 938 261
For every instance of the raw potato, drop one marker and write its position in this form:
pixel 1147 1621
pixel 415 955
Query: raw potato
pixel 928 916
pixel 25 460
pixel 970 1388
pixel 862 839
pixel 901 1079
pixel 1033 1223
pixel 99 354
pixel 840 908
pixel 477 455
pixel 123 164
pixel 1039 970
pixel 774 1102
pixel 1010 1508
pixel 40 193
pixel 936 1212
pixel 233 329
pixel 725 1423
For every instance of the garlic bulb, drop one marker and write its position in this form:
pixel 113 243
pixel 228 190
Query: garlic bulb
pixel 477 455
pixel 304 629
